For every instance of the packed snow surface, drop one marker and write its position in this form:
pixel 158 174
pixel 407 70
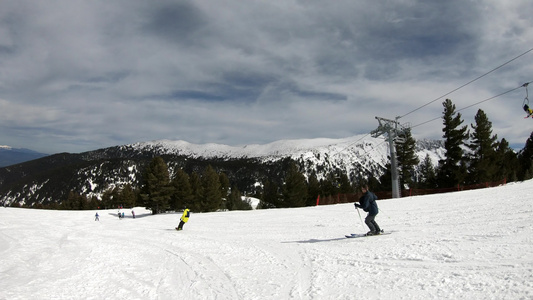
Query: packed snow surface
pixel 462 245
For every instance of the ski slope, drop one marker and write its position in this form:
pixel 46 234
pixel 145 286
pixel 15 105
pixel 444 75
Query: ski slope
pixel 463 245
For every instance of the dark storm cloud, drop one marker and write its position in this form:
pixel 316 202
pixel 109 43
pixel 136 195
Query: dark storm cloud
pixel 100 73
pixel 180 22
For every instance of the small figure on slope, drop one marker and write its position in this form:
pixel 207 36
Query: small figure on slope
pixel 96 217
pixel 368 203
pixel 184 219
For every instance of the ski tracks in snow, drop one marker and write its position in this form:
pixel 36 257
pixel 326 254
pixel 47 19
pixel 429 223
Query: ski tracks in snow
pixel 259 271
pixel 203 275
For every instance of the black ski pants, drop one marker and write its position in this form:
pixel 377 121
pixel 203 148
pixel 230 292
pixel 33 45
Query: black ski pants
pixel 180 226
pixel 371 223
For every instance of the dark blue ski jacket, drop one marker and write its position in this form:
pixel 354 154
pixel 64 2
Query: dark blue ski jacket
pixel 368 203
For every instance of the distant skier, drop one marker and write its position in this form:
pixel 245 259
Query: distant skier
pixel 96 217
pixel 368 203
pixel 184 219
pixel 133 214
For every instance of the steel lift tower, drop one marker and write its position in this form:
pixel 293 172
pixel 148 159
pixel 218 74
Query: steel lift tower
pixel 392 129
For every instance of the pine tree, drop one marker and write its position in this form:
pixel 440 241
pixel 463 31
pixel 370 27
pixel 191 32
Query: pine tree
pixel 313 188
pixel 270 195
pixel 235 202
pixel 506 162
pixel 427 174
pixel 525 159
pixel 295 188
pixel 94 203
pixel 157 190
pixel 127 196
pixel 452 169
pixel 75 201
pixel 182 192
pixel 372 182
pixel 482 166
pixel 385 180
pixel 109 198
pixel 196 192
pixel 224 184
pixel 232 198
pixel 212 191
pixel 407 159
pixel 330 186
pixel 345 185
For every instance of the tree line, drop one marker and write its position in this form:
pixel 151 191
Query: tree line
pixel 473 154
pixel 211 190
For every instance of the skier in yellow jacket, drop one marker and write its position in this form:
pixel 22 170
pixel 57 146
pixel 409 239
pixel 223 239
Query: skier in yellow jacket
pixel 184 218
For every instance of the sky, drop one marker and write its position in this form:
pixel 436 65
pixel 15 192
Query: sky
pixel 472 244
pixel 77 76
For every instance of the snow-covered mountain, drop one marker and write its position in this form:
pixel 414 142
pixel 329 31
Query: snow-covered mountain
pixel 271 150
pixel 347 154
pixel 51 178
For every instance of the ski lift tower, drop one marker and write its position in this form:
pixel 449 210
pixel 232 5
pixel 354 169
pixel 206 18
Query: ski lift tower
pixel 390 127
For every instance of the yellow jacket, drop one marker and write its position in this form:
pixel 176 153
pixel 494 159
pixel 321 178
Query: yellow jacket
pixel 185 216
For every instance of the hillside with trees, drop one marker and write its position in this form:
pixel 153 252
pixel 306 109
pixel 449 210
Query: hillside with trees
pixel 170 182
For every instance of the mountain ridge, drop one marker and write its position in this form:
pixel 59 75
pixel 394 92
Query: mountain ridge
pixel 281 147
pixel 11 156
pixel 51 178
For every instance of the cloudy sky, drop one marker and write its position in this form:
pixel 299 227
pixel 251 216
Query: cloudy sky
pixel 82 75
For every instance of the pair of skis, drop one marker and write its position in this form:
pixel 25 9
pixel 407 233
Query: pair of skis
pixel 359 235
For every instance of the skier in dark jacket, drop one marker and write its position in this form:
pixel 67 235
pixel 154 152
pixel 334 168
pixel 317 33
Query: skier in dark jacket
pixel 368 203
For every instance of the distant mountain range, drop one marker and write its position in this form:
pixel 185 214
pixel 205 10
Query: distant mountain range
pixel 11 156
pixel 51 178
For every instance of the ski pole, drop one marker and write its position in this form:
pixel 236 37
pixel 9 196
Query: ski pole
pixel 385 214
pixel 360 217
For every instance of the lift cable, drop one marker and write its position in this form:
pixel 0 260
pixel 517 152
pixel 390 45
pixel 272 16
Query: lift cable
pixel 474 104
pixel 471 81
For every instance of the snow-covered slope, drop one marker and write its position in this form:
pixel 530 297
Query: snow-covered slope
pixel 465 245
